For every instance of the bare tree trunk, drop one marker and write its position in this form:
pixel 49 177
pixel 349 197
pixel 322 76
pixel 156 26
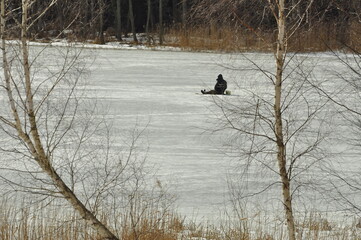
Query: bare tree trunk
pixel 33 140
pixel 160 22
pixel 174 11
pixel 68 194
pixel 149 12
pixel 3 43
pixel 119 20
pixel 131 19
pixel 101 6
pixel 281 148
pixel 184 13
pixel 92 17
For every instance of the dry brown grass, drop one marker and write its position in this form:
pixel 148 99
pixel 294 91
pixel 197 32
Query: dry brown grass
pixel 28 224
pixel 321 37
pixel 224 39
pixel 324 37
pixel 53 223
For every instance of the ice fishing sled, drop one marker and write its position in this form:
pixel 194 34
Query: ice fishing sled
pixel 213 92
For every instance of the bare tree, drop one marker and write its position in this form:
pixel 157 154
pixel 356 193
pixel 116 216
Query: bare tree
pixel 279 131
pixel 24 117
pixel 131 19
pixel 50 147
pixel 101 6
pixel 174 11
pixel 160 22
pixel 149 15
pixel 184 13
pixel 270 128
pixel 119 20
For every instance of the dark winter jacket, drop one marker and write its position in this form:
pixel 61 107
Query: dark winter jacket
pixel 221 85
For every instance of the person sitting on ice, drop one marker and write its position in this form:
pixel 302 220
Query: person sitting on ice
pixel 219 88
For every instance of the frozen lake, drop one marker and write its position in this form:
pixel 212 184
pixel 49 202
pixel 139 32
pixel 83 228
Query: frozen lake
pixel 160 91
pixel 162 88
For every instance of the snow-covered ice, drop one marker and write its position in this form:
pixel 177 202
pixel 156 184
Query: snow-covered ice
pixel 160 90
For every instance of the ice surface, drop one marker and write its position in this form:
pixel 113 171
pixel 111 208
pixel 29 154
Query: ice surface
pixel 160 90
pixel 163 88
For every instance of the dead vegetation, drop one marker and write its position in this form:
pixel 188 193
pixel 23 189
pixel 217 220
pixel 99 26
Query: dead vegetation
pixel 49 223
pixel 319 38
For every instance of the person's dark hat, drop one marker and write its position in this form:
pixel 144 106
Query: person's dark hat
pixel 220 76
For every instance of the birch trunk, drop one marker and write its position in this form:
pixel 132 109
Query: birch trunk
pixel 281 148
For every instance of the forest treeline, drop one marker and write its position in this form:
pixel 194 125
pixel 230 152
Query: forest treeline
pixel 243 24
